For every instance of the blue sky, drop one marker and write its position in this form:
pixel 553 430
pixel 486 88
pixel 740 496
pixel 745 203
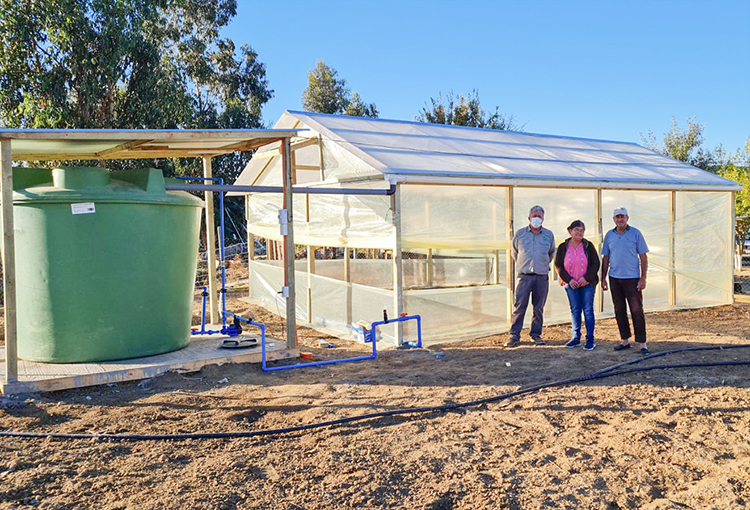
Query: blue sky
pixel 605 69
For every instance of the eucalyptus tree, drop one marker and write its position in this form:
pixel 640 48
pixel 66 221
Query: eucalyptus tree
pixel 465 110
pixel 327 93
pixel 129 64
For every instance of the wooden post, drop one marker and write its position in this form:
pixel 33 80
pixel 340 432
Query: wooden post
pixel 9 263
pixel 495 253
pixel 732 236
pixel 210 245
pixel 672 232
pixel 250 248
pixel 398 271
pixel 599 296
pixel 310 265
pixel 430 269
pixel 320 154
pixel 348 280
pixel 510 266
pixel 288 205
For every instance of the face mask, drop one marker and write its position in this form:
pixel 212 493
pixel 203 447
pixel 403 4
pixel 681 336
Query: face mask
pixel 536 222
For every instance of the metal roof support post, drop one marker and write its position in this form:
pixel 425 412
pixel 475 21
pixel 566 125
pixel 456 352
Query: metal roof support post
pixel 210 244
pixel 288 205
pixel 9 263
pixel 398 269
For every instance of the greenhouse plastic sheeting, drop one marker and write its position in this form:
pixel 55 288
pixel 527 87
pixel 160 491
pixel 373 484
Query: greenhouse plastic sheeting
pixel 460 222
pixel 335 304
pixel 334 220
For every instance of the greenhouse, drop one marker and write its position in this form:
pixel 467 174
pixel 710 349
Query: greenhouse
pixel 438 244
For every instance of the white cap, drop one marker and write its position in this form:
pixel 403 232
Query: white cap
pixel 620 210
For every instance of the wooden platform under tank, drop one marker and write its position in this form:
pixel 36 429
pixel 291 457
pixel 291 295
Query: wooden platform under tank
pixel 203 350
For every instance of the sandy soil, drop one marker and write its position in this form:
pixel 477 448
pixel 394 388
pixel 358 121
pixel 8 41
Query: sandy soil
pixel 663 439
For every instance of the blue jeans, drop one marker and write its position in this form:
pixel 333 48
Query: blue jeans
pixel 581 300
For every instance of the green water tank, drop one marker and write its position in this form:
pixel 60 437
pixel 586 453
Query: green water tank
pixel 105 264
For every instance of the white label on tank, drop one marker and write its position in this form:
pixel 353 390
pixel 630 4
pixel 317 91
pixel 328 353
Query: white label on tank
pixel 85 208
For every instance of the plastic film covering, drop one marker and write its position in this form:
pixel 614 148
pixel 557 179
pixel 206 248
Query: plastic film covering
pixel 561 207
pixel 458 218
pixel 466 294
pixel 404 149
pixel 339 164
pixel 326 220
pixel 336 304
pixel 456 314
pixel 649 212
pixel 703 248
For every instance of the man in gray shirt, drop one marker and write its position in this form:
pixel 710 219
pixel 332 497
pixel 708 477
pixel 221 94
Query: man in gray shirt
pixel 533 249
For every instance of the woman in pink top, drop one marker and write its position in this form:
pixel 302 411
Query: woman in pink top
pixel 577 264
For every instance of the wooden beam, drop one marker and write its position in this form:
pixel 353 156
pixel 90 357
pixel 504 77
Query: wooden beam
pixel 272 153
pixel 510 267
pixel 307 167
pixel 291 309
pixel 348 280
pixel 250 249
pixel 398 271
pixel 672 275
pixel 320 155
pixel 732 236
pixel 211 245
pixel 122 147
pixel 495 253
pixel 9 262
pixel 310 265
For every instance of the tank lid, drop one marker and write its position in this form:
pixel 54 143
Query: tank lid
pixel 94 184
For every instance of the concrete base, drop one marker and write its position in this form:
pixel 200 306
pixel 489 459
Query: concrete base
pixel 203 350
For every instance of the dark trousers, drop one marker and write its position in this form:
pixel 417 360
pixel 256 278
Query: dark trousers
pixel 626 294
pixel 536 286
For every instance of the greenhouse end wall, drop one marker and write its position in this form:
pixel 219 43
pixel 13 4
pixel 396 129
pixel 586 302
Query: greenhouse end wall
pixel 456 239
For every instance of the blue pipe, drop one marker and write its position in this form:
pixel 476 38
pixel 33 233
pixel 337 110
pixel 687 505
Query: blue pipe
pixel 225 330
pixel 369 337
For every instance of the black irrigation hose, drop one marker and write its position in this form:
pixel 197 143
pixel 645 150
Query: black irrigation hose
pixel 673 351
pixel 601 374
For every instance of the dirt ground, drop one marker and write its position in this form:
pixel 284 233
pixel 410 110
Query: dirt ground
pixel 662 439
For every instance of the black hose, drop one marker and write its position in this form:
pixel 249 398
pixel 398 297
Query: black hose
pixel 673 351
pixel 601 374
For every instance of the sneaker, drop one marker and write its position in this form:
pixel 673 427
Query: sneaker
pixel 538 340
pixel 590 345
pixel 513 342
pixel 645 351
pixel 621 347
pixel 576 342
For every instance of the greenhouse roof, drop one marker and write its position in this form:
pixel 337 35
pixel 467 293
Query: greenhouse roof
pixel 435 153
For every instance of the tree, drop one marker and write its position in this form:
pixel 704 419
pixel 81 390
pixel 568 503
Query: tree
pixel 465 111
pixel 736 167
pixel 682 145
pixel 326 93
pixel 357 108
pixel 129 64
pixel 126 64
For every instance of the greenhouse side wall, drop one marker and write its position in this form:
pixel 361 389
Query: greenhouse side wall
pixel 455 254
pixel 460 224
